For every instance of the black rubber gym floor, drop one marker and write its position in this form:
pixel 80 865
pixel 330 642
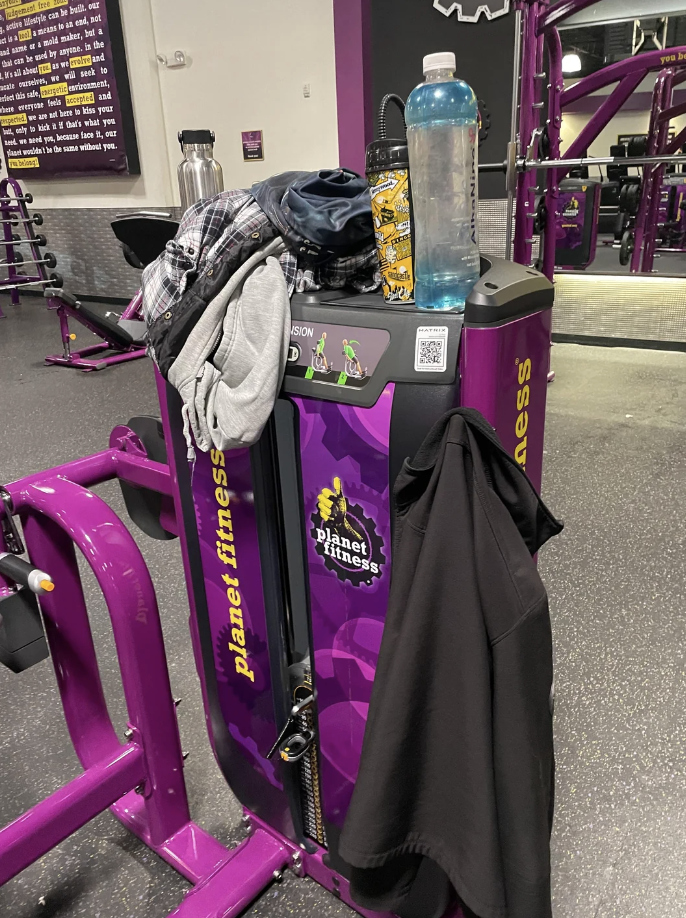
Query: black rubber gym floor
pixel 615 471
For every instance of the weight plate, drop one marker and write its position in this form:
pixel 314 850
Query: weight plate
pixel 627 247
pixel 633 199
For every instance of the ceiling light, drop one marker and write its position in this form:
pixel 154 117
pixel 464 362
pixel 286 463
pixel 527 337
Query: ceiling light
pixel 571 63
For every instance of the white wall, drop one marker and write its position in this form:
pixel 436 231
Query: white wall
pixel 249 62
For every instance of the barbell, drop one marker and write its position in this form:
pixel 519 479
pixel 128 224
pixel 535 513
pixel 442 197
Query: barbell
pixel 521 164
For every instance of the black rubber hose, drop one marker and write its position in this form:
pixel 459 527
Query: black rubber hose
pixel 389 97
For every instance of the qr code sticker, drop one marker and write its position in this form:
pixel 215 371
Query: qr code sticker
pixel 431 351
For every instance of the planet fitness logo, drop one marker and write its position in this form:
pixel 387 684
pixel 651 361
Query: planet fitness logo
pixel 471 10
pixel 345 538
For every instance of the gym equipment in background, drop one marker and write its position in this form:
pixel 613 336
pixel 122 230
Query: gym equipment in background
pixel 200 175
pixel 142 236
pixel 672 215
pixel 645 234
pixel 287 601
pixel 14 217
pixel 535 146
pixel 577 223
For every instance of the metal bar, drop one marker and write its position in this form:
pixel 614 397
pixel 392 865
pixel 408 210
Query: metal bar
pixel 514 122
pixel 248 871
pixel 87 471
pixel 76 361
pixel 552 192
pixel 604 161
pixel 7 232
pixel 605 113
pixel 52 820
pixel 655 177
pixel 11 286
pixel 70 638
pixel 673 112
pixel 143 473
pixel 528 120
pixel 677 143
pixel 134 309
pixel 643 63
pixel 640 226
pixel 120 570
pixel 562 11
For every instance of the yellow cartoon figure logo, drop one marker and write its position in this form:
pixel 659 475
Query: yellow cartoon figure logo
pixel 346 538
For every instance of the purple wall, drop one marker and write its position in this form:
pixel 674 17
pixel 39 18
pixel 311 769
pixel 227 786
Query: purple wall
pixel 353 81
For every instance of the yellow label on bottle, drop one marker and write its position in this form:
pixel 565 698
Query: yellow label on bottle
pixel 390 195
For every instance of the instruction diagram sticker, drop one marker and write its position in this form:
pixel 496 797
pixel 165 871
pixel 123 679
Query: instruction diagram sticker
pixel 431 349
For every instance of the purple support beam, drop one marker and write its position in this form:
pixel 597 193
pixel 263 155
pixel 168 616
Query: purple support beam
pixel 134 309
pixel 352 37
pixel 677 143
pixel 653 176
pixel 247 871
pixel 638 102
pixel 561 11
pixel 72 806
pixel 555 90
pixel 642 63
pixel 674 112
pixel 612 104
pixel 55 513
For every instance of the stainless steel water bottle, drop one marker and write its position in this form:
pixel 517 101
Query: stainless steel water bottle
pixel 200 175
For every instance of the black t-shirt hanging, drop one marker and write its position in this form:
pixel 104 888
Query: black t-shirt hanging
pixel 457 764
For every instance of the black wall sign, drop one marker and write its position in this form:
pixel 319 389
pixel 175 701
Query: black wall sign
pixel 403 31
pixel 65 100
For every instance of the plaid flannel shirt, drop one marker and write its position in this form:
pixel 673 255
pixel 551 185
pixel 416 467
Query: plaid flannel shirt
pixel 212 227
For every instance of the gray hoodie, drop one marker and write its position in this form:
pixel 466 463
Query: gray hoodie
pixel 230 369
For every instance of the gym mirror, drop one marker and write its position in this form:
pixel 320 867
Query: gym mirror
pixel 610 222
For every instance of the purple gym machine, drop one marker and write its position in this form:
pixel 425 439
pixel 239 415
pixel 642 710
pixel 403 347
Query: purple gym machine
pixel 642 243
pixel 142 237
pixel 287 606
pixel 536 146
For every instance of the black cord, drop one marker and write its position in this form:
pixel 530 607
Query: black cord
pixel 389 97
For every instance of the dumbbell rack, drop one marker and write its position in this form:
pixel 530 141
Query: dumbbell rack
pixel 13 216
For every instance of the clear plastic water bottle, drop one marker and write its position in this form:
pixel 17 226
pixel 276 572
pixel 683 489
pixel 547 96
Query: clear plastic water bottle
pixel 442 130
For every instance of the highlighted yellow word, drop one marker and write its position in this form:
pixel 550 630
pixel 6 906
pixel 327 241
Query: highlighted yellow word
pixel 28 9
pixel 83 60
pixel 11 120
pixel 45 68
pixel 25 35
pixel 53 89
pixel 5 3
pixel 80 98
pixel 27 162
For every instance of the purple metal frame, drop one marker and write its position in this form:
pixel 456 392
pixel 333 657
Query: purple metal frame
pixel 539 24
pixel 662 112
pixel 81 360
pixel 141 780
pixel 10 188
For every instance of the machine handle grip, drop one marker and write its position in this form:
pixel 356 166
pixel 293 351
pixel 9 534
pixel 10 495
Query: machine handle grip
pixel 25 574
